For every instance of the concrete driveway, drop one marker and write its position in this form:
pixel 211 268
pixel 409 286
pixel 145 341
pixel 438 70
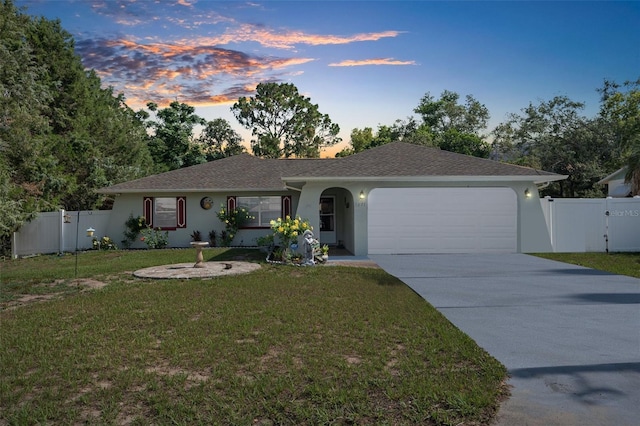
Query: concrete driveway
pixel 569 336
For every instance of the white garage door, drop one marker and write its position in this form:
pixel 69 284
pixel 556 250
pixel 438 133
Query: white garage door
pixel 442 220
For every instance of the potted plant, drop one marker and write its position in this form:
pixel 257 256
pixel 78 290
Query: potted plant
pixel 325 252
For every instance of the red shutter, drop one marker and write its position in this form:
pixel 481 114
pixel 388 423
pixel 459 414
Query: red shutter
pixel 181 207
pixel 147 210
pixel 231 204
pixel 286 206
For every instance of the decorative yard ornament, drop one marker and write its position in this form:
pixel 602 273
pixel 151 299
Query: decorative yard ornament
pixel 308 245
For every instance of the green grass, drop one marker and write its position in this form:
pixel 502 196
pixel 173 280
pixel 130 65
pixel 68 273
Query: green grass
pixel 283 345
pixel 616 263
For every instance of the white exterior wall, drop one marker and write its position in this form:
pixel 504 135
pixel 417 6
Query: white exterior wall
pixel 198 219
pixel 571 225
pixel 533 235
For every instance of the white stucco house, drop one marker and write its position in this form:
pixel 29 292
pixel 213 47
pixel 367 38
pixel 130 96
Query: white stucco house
pixel 616 185
pixel 396 198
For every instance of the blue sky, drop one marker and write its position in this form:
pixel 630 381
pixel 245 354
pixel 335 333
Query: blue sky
pixel 365 63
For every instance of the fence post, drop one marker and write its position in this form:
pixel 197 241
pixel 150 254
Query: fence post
pixel 14 249
pixel 607 213
pixel 61 234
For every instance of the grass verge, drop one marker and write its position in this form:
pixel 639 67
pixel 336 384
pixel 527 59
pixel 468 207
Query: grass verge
pixel 283 345
pixel 616 263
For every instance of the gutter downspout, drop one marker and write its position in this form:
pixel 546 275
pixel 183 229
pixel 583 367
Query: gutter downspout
pixel 544 185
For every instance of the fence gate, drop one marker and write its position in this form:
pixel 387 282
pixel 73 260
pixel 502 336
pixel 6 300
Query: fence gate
pixel 593 225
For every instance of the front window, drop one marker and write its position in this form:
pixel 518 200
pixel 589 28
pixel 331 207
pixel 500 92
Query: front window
pixel 165 213
pixel 263 209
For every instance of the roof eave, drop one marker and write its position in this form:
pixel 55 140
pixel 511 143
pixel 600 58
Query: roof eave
pixel 186 190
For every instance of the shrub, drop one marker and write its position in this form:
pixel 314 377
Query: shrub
pixel 286 232
pixel 154 238
pixel 232 221
pixel 265 241
pixel 288 229
pixel 104 243
pixel 134 225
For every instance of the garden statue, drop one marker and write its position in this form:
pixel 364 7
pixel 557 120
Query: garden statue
pixel 308 246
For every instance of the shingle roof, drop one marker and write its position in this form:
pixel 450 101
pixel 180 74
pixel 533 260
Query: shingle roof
pixel 394 160
pixel 408 160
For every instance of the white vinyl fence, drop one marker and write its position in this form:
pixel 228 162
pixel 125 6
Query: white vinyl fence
pixel 48 233
pixel 593 224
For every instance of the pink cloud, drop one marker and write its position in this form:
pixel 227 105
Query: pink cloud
pixel 374 61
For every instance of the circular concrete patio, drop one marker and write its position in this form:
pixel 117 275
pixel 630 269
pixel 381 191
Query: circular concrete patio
pixel 186 270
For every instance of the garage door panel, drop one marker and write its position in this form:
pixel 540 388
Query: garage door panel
pixel 498 221
pixel 442 220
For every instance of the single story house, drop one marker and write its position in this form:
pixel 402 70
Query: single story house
pixel 397 198
pixel 616 185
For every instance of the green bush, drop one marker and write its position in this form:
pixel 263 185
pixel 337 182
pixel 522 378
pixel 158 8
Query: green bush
pixel 134 225
pixel 104 243
pixel 154 238
pixel 232 220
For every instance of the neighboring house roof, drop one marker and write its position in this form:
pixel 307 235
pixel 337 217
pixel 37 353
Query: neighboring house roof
pixel 392 161
pixel 617 187
pixel 617 175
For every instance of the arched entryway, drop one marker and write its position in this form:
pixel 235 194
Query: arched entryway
pixel 335 209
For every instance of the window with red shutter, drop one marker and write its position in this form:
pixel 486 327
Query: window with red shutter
pixel 263 209
pixel 167 213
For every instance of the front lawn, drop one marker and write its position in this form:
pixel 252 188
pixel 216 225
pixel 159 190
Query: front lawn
pixel 616 263
pixel 284 345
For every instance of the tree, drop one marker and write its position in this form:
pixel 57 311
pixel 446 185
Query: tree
pixel 620 110
pixel 453 126
pixel 172 145
pixel 62 136
pixel 23 128
pixel 400 131
pixel 94 139
pixel 360 140
pixel 554 136
pixel 464 143
pixel 220 140
pixel 285 123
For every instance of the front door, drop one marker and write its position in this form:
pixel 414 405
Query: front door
pixel 327 220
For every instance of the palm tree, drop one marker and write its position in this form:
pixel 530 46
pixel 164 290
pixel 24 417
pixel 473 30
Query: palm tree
pixel 633 170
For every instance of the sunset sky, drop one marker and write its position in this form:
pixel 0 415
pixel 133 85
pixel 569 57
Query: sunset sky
pixel 365 63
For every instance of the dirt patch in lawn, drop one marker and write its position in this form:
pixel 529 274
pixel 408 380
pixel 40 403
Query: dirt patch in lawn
pixel 59 288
